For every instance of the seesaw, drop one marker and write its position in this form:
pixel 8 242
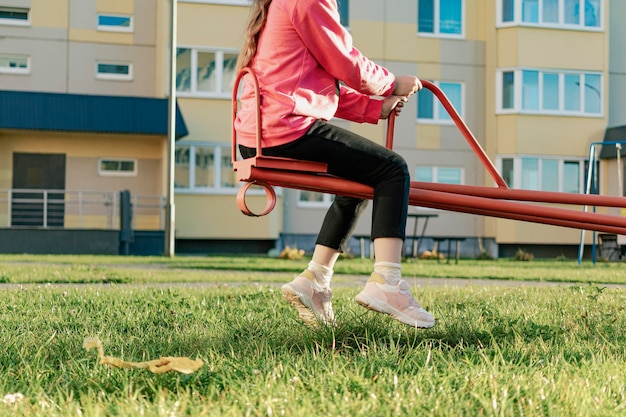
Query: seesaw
pixel 501 201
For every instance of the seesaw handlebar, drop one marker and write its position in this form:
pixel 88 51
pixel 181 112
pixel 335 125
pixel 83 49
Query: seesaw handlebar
pixel 465 131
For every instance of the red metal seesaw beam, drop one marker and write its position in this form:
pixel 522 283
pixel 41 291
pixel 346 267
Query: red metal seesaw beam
pixel 524 195
pixel 268 172
pixel 448 201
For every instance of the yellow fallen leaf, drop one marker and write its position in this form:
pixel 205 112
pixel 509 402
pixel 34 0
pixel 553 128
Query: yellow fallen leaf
pixel 157 366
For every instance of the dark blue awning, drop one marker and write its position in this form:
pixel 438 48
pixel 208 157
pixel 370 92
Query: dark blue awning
pixel 612 135
pixel 87 113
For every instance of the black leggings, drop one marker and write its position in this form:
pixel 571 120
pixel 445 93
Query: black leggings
pixel 358 159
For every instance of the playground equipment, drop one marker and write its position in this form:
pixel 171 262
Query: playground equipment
pixel 500 201
pixel 591 187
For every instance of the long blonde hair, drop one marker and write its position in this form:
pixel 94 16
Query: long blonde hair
pixel 258 16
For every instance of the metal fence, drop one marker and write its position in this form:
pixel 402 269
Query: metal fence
pixel 77 209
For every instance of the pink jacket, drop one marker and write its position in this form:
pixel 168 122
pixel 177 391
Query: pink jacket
pixel 302 53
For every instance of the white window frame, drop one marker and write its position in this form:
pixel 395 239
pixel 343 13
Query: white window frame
pixel 437 120
pixel 517 18
pixel 108 28
pixel 518 86
pixel 15 70
pixel 115 77
pixel 219 75
pixel 16 22
pixel 220 150
pixel 106 173
pixel 327 200
pixel 517 169
pixel 436 23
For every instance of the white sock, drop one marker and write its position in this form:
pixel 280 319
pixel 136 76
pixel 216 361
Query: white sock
pixel 323 273
pixel 392 272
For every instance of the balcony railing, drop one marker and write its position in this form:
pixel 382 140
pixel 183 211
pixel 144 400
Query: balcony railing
pixel 77 209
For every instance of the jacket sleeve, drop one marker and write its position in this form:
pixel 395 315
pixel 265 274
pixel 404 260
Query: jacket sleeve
pixel 358 107
pixel 318 24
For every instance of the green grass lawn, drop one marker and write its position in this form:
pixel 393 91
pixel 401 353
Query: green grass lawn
pixel 497 350
pixel 136 269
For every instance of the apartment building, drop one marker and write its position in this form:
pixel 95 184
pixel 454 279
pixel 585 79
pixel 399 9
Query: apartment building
pixel 531 78
pixel 83 117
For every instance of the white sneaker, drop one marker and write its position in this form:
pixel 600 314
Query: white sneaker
pixel 395 300
pixel 310 299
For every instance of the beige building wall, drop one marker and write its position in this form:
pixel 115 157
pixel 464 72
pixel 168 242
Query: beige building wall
pixel 82 172
pixel 64 44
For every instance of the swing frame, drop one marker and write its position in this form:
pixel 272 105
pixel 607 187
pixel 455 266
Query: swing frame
pixel 501 201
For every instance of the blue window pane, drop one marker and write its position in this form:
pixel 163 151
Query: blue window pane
pixel 550 175
pixel 572 93
pixel 592 93
pixel 530 173
pixel 449 175
pixel 450 17
pixel 508 90
pixel 114 21
pixel 572 12
pixel 426 16
pixel 571 176
pixel 229 74
pixel 17 14
pixel 113 69
pixel 530 11
pixel 592 13
pixel 454 92
pixel 507 171
pixel 530 90
pixel 425 100
pixel 183 69
pixel 508 10
pixel 424 174
pixel 550 11
pixel 344 12
pixel 550 91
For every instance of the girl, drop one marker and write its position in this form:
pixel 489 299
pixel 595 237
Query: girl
pixel 308 73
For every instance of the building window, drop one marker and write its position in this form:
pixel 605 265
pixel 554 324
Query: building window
pixel 118 167
pixel 430 109
pixel 204 168
pixel 312 199
pixel 344 12
pixel 550 92
pixel 563 174
pixel 564 14
pixel 14 16
pixel 440 17
pixel 115 23
pixel 14 64
pixel 114 71
pixel 205 73
pixel 441 175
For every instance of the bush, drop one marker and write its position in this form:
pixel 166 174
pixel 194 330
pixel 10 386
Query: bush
pixel 522 255
pixel 484 256
pixel 289 253
pixel 432 255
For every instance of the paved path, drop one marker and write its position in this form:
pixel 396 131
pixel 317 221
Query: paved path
pixel 257 278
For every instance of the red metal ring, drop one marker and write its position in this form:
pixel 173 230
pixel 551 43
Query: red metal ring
pixel 269 193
